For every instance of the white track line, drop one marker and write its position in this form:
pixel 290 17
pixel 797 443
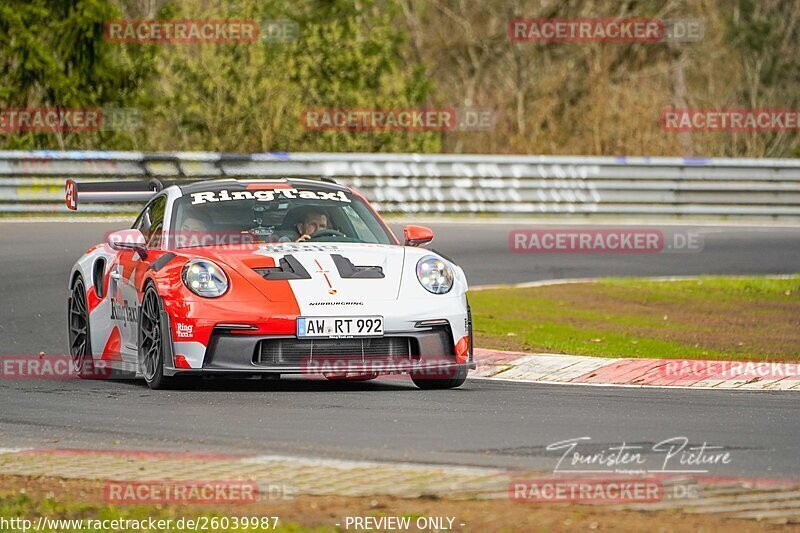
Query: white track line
pixel 349 463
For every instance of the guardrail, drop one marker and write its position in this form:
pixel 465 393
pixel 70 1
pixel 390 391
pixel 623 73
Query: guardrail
pixel 417 183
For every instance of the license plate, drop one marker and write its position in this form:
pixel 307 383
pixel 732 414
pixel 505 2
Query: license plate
pixel 340 326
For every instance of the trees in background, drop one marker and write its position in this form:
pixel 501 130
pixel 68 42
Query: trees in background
pixel 607 98
pixel 549 98
pixel 53 54
pixel 245 98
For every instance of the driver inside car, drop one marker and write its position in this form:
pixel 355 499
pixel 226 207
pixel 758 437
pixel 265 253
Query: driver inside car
pixel 193 230
pixel 312 222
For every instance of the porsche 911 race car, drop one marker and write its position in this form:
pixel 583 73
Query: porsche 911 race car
pixel 263 277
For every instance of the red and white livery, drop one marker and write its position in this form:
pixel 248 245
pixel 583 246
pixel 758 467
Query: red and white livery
pixel 264 277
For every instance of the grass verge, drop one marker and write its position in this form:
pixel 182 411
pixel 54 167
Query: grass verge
pixel 54 498
pixel 720 318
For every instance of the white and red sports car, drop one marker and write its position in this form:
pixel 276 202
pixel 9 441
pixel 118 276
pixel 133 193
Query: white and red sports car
pixel 269 277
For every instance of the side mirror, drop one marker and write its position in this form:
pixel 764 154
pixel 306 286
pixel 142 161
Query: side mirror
pixel 128 239
pixel 417 235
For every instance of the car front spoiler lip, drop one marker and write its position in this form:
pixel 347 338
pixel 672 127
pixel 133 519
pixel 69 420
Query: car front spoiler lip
pixel 350 368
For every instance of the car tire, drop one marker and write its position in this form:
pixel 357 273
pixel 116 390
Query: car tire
pixel 151 345
pixel 80 336
pixel 427 383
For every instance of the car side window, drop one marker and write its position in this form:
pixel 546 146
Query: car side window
pixel 143 221
pixel 151 222
pixel 156 218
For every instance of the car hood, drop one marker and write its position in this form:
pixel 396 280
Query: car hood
pixel 326 283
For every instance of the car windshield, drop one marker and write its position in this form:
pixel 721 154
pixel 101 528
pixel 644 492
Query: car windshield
pixel 272 214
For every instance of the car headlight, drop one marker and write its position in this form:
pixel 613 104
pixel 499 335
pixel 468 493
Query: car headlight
pixel 434 274
pixel 205 278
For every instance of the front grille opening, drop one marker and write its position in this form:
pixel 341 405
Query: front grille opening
pixel 277 352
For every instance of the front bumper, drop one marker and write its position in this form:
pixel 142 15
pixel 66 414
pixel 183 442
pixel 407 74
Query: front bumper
pixel 428 351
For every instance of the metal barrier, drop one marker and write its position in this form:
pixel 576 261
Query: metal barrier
pixel 417 183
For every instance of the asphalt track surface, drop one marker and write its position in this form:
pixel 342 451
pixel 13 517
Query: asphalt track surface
pixel 482 423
